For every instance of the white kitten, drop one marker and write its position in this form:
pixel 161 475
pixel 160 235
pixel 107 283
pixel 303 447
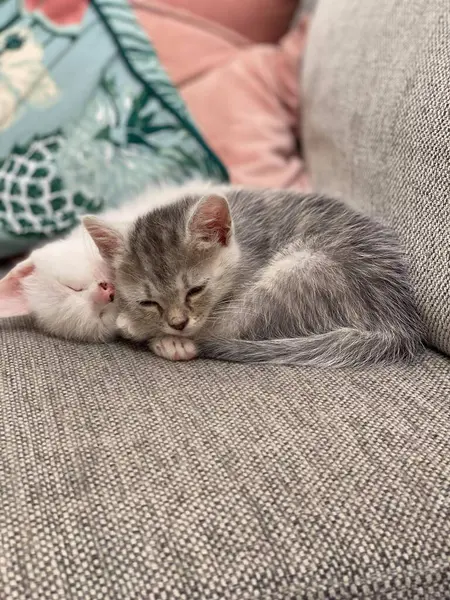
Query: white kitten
pixel 66 284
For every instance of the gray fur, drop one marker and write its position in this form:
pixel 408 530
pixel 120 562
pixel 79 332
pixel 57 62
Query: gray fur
pixel 304 280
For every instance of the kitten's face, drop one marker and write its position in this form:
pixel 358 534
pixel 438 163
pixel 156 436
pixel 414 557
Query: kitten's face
pixel 177 301
pixel 66 288
pixel 176 265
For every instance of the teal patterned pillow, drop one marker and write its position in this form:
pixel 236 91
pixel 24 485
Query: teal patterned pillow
pixel 88 118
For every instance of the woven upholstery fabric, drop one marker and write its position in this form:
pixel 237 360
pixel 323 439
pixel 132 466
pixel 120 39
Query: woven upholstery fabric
pixel 126 476
pixel 376 123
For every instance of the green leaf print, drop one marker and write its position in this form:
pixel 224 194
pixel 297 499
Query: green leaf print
pixel 34 198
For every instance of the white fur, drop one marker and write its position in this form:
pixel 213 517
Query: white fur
pixel 75 262
pixel 172 347
pixel 59 267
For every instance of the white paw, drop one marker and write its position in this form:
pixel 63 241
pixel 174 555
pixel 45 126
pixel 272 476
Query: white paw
pixel 174 348
pixel 124 327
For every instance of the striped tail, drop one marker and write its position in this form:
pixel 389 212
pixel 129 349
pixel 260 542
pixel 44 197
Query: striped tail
pixel 343 347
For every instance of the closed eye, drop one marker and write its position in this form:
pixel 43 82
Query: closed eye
pixel 74 289
pixel 198 289
pixel 149 304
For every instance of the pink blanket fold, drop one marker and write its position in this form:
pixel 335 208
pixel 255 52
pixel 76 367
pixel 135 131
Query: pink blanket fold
pixel 243 95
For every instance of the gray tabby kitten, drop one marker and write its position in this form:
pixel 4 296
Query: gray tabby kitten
pixel 262 276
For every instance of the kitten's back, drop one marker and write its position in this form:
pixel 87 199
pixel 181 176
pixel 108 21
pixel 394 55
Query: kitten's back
pixel 331 285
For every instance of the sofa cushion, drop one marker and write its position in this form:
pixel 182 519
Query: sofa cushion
pixel 376 121
pixel 126 476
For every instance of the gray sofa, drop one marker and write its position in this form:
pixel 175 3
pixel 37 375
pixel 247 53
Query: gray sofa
pixel 125 476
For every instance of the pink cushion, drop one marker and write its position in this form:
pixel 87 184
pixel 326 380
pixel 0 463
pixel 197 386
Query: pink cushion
pixel 242 95
pixel 263 21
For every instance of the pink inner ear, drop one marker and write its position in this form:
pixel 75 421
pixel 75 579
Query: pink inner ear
pixel 211 221
pixel 12 298
pixel 107 239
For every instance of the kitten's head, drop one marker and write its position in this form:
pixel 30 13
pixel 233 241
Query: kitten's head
pixel 175 264
pixel 67 288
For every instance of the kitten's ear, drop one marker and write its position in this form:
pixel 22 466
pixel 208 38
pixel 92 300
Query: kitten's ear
pixel 108 240
pixel 12 297
pixel 210 223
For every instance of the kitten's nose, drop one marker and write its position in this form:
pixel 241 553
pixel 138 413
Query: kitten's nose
pixel 105 292
pixel 179 325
